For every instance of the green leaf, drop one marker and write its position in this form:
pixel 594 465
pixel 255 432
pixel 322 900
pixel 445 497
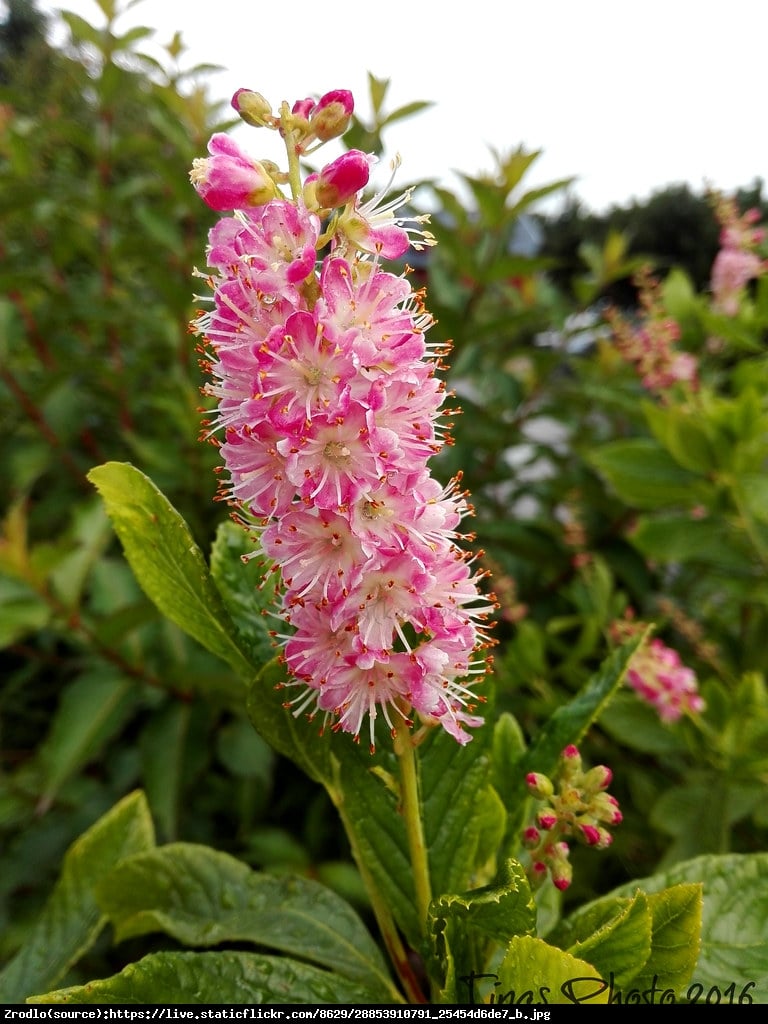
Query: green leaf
pixel 645 475
pixel 247 586
pixel 675 935
pixel 616 938
pixel 681 538
pixel 22 611
pixel 532 971
pixel 683 434
pixel 166 561
pixel 363 787
pixel 163 746
pixel 215 978
pixel 461 926
pixel 734 925
pixel 203 897
pixel 92 709
pixel 71 919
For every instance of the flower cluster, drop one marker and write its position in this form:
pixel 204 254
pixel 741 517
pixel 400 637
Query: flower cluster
pixel 575 805
pixel 650 344
pixel 738 260
pixel 658 676
pixel 330 408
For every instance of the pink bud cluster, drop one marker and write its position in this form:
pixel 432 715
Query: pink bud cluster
pixel 738 260
pixel 650 344
pixel 658 676
pixel 575 805
pixel 329 404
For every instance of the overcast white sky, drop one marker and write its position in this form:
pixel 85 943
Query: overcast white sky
pixel 626 97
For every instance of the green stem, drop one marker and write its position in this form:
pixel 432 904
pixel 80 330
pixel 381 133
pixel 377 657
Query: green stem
pixel 294 170
pixel 410 808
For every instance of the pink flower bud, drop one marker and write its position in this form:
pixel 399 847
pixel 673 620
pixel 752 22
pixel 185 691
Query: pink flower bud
pixel 531 836
pixel 590 834
pixel 571 753
pixel 546 821
pixel 303 108
pixel 229 179
pixel 561 883
pixel 331 116
pixel 342 179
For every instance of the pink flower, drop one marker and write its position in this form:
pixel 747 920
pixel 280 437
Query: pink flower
pixel 732 270
pixel 229 179
pixel 329 401
pixel 658 676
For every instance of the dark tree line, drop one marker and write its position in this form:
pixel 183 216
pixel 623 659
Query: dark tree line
pixel 675 226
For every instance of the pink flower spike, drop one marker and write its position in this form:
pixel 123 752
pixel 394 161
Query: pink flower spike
pixel 229 179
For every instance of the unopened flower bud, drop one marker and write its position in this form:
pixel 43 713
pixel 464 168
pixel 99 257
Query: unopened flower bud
pixel 342 179
pixel 252 108
pixel 303 108
pixel 229 179
pixel 332 115
pixel 590 834
pixel 546 820
pixel 597 778
pixel 531 837
pixel 596 836
pixel 539 785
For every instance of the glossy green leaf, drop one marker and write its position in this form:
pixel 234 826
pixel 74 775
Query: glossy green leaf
pixel 614 936
pixel 166 561
pixel 734 924
pixel 203 897
pixel 231 978
pixel 532 971
pixel 71 919
pixel 675 935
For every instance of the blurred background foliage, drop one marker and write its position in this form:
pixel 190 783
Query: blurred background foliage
pixel 592 496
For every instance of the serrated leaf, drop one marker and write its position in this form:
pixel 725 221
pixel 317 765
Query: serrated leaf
pixel 675 937
pixel 203 897
pixel 231 978
pixel 166 561
pixel 461 925
pixel 247 588
pixel 71 919
pixel 532 971
pixel 614 937
pixel 734 924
